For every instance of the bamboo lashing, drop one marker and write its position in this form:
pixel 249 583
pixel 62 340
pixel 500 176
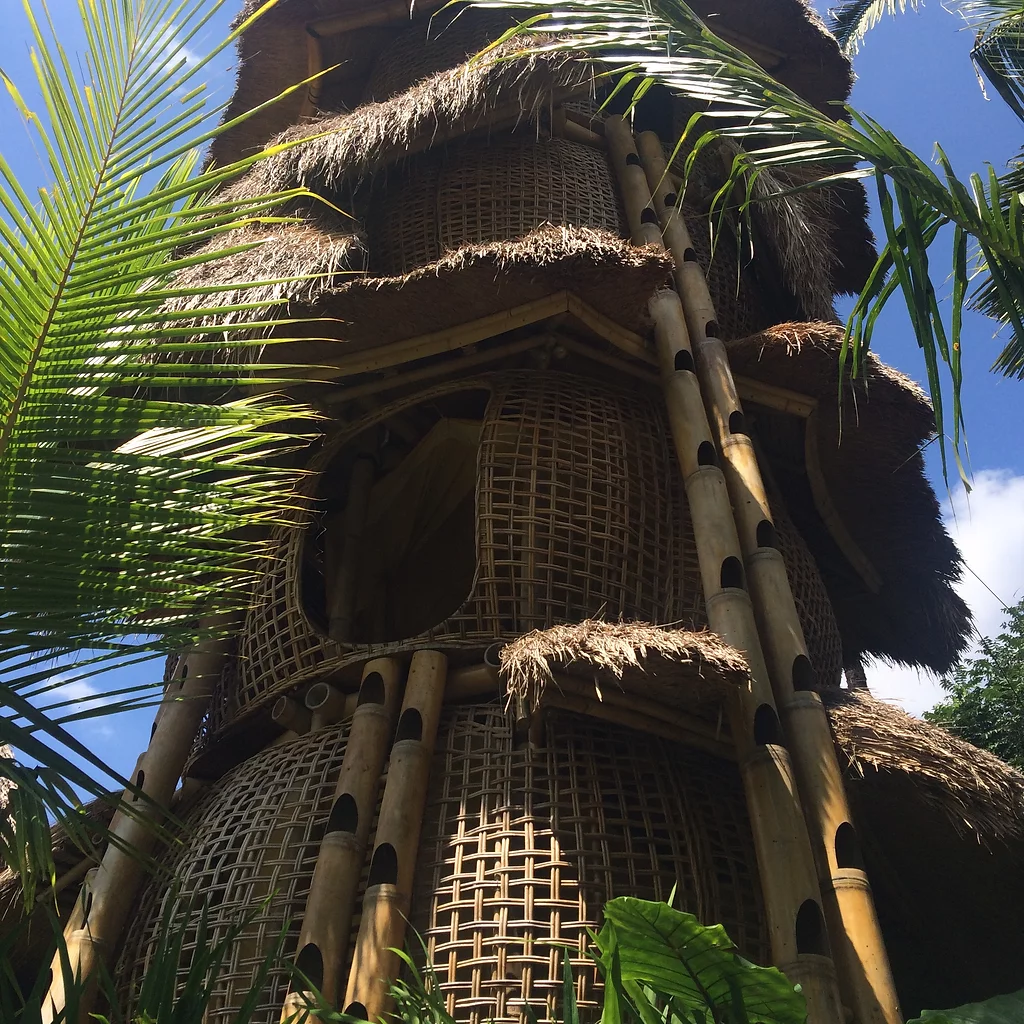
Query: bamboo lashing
pixel 788 876
pixel 122 870
pixel 865 977
pixel 327 919
pixel 389 885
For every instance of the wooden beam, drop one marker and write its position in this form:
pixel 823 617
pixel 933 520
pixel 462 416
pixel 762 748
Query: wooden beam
pixel 343 394
pixel 622 338
pixel 773 397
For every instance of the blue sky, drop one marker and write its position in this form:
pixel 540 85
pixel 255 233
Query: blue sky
pixel 915 78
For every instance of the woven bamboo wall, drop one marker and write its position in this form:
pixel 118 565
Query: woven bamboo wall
pixel 256 832
pixel 580 513
pixel 520 846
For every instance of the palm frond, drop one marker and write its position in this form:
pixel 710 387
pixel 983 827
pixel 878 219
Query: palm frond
pixel 851 22
pixel 646 42
pixel 127 515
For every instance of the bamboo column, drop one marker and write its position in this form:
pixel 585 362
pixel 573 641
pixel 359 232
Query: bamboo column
pixel 389 885
pixel 865 976
pixel 323 939
pixel 120 874
pixel 786 864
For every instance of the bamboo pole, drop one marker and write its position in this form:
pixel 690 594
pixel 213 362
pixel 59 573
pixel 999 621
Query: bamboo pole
pixel 327 919
pixel 326 705
pixel 865 978
pixel 389 886
pixel 788 877
pixel 118 878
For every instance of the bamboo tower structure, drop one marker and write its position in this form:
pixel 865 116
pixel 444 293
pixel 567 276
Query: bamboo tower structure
pixel 585 565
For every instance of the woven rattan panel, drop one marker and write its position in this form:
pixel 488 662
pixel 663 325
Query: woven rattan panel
pixel 821 632
pixel 254 834
pixel 522 847
pixel 580 513
pixel 424 48
pixel 488 191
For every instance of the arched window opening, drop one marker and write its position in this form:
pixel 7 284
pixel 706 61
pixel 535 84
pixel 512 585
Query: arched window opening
pixel 410 726
pixel 394 553
pixel 344 816
pixel 766 536
pixel 732 574
pixel 706 454
pixel 310 963
pixel 371 690
pixel 803 673
pixel 767 730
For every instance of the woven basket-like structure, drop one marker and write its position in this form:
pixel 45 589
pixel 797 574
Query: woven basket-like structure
pixel 256 832
pixel 487 191
pixel 587 520
pixel 522 847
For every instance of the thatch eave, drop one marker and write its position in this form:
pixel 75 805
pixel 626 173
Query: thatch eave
pixel 869 462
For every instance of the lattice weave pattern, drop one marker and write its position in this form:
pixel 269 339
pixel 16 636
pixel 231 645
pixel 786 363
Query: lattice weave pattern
pixel 488 191
pixel 255 833
pixel 580 513
pixel 522 847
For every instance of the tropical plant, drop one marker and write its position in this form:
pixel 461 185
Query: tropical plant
pixel 986 693
pixel 663 42
pixel 998 26
pixel 135 478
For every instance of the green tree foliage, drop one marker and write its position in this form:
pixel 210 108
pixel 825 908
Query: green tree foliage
pixel 986 694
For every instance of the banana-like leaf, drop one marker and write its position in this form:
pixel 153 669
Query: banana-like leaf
pixel 1008 1009
pixel 137 482
pixel 670 953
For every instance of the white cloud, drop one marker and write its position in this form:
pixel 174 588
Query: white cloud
pixel 988 526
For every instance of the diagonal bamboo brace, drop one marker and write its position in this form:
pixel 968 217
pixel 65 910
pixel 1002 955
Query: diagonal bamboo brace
pixel 864 972
pixel 788 876
pixel 115 885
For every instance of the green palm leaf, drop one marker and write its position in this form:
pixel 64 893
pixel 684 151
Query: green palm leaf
pixel 664 42
pixel 136 479
pixel 850 22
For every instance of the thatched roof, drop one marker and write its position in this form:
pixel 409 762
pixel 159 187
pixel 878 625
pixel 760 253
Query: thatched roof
pixel 880 744
pixel 672 666
pixel 785 34
pixel 873 472
pixel 608 273
pixel 300 260
pixel 345 147
pixel 977 792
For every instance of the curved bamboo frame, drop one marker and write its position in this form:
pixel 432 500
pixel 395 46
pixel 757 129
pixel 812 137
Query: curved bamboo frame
pixel 788 876
pixel 866 978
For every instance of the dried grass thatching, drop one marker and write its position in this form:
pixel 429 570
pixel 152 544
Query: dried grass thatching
pixel 976 791
pixel 295 262
pixel 871 467
pixel 446 105
pixel 674 667
pixel 272 56
pixel 605 271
